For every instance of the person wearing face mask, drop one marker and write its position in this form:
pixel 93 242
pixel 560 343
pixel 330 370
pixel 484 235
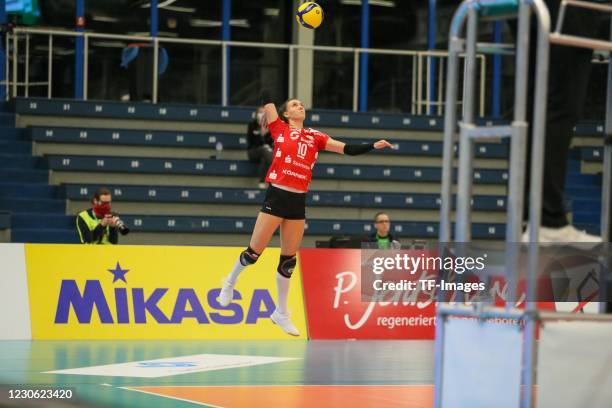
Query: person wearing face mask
pixel 97 225
pixel 259 145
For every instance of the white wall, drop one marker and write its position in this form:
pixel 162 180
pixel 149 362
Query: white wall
pixel 14 303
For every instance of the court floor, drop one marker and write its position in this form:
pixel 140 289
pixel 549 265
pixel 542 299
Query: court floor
pixel 156 373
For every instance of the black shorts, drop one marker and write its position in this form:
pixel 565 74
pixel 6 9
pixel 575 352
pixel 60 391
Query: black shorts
pixel 284 204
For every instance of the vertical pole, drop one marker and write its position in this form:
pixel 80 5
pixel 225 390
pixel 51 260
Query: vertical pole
pixel 15 63
pixel 518 152
pixel 154 29
pixel 497 72
pixel 226 36
pixel 450 126
pixel 466 144
pixel 50 68
pixel 79 48
pixel 419 84
pixel 85 65
pixel 606 197
pixel 155 69
pixel 291 87
pixel 518 149
pixel 27 67
pixel 483 73
pixel 356 81
pixel 363 65
pixel 535 195
pixel 440 86
pixel 6 67
pixel 3 59
pixel 606 194
pixel 431 61
pixel 414 84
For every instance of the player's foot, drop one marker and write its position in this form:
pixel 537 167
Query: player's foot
pixel 567 234
pixel 284 322
pixel 227 293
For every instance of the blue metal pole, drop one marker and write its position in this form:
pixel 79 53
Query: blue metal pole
pixel 226 15
pixel 497 74
pixel 364 56
pixel 79 57
pixel 2 52
pixel 154 18
pixel 431 45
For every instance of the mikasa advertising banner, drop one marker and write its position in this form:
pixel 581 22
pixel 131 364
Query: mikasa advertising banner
pixel 152 292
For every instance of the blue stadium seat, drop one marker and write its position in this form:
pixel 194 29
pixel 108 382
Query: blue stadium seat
pixel 44 236
pixel 241 225
pixel 229 141
pixel 138 137
pixel 243 168
pixel 591 153
pixel 15 147
pixel 24 176
pixel 19 161
pixel 39 205
pixel 196 113
pixel 211 195
pixel 32 191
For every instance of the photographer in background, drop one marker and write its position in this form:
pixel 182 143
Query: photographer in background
pixel 99 225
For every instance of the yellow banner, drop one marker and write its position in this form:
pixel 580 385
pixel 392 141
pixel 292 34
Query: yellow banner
pixel 153 292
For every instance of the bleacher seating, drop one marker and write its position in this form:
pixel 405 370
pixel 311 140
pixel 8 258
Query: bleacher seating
pixel 229 196
pixel 229 141
pixel 243 168
pixel 144 153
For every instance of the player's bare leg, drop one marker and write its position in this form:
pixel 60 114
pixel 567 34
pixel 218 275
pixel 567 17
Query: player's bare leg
pixel 265 226
pixel 292 232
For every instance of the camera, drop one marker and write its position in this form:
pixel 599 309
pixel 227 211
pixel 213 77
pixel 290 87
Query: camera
pixel 123 229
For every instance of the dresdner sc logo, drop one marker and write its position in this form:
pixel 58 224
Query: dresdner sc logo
pixel 113 306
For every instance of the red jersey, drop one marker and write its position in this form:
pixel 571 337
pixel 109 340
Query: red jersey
pixel 295 154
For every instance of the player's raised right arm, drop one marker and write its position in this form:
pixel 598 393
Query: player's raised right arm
pixel 269 107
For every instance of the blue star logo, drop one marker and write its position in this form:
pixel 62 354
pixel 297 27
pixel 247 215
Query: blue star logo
pixel 118 273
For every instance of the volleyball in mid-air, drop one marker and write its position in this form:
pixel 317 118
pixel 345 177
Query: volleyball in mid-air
pixel 309 14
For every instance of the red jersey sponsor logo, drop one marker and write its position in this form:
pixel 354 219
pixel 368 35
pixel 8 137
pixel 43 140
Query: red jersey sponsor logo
pixel 299 150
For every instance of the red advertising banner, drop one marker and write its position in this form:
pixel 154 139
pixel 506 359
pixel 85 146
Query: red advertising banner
pixel 334 306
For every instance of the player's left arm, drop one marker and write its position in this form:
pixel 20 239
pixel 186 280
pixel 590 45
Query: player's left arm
pixel 337 146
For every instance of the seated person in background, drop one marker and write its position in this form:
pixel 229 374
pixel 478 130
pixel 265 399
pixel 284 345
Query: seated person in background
pixel 97 225
pixel 385 240
pixel 259 145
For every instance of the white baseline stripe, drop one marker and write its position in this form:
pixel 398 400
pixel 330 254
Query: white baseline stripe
pixel 168 396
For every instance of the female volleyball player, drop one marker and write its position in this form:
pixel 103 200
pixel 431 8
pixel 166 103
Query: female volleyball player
pixel 295 152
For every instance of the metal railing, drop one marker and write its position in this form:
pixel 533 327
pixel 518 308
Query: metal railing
pixel 422 95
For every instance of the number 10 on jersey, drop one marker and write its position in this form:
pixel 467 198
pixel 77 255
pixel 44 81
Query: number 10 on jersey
pixel 302 149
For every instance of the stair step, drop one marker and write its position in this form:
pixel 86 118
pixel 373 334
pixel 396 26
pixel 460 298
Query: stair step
pixel 25 175
pixel 14 147
pixel 20 190
pixel 43 221
pixel 21 161
pixel 26 205
pixel 48 236
pixel 12 133
pixel 7 119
